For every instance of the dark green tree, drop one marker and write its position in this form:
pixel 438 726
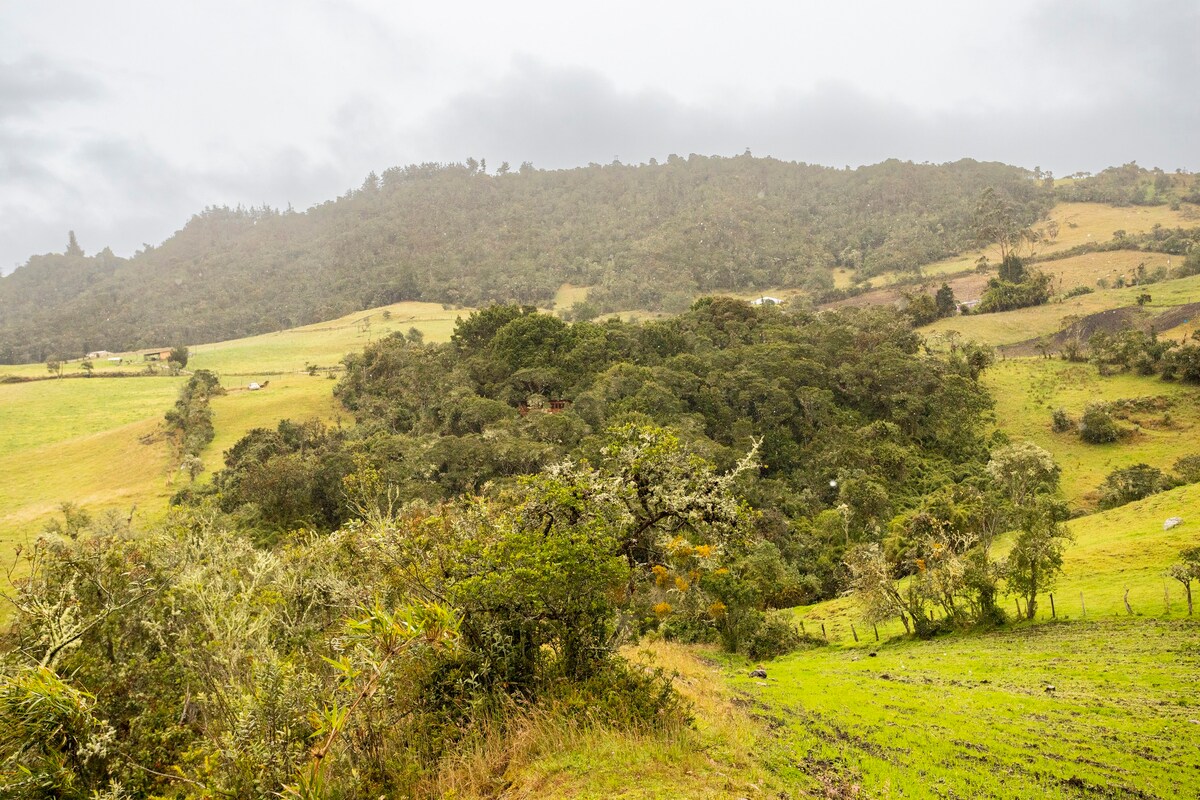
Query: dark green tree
pixel 179 355
pixel 947 305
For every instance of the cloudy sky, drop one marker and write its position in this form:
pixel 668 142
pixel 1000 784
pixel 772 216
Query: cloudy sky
pixel 120 119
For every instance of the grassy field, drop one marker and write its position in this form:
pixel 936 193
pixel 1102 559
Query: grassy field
pixel 568 295
pixel 1124 547
pixel 1079 223
pixel 1010 327
pixel 971 716
pixel 95 442
pixel 297 397
pixel 324 343
pixel 98 442
pixel 1087 269
pixel 1027 390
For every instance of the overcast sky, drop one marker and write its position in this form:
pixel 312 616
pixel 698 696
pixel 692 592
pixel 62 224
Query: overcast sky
pixel 121 119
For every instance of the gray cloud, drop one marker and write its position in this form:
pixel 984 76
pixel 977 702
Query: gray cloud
pixel 124 154
pixel 33 82
pixel 565 117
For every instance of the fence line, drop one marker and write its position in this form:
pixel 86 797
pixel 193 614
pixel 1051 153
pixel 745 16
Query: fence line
pixel 1057 605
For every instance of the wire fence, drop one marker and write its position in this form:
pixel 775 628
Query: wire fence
pixel 1167 600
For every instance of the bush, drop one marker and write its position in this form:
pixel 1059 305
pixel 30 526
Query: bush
pixel 1132 483
pixel 1098 426
pixel 1061 421
pixel 1003 295
pixel 624 695
pixel 1187 469
pixel 776 636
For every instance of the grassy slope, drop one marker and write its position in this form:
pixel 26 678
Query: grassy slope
pixel 1113 550
pixel 969 715
pixel 1079 223
pixel 1027 390
pixel 322 344
pixel 1010 327
pixel 98 442
pixel 726 754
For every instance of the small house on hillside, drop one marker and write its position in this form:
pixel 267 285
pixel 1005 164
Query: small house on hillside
pixel 540 405
pixel 159 354
pixel 98 354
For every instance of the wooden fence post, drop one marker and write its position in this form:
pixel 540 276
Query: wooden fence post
pixel 802 628
pixel 854 632
pixel 1053 614
pixel 1082 604
pixel 876 627
pixel 1017 600
pixel 823 633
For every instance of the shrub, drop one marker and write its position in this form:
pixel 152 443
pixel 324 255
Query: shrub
pixel 1187 469
pixel 1061 421
pixel 622 694
pixel 1003 295
pixel 1132 483
pixel 776 636
pixel 1098 426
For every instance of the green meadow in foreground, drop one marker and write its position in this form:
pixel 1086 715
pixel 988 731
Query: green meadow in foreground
pixel 1064 710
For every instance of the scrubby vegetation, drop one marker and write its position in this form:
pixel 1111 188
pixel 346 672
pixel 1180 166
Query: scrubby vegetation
pixel 341 611
pixel 844 410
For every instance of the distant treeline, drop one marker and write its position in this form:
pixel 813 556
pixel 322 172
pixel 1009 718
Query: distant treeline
pixel 1131 185
pixel 651 236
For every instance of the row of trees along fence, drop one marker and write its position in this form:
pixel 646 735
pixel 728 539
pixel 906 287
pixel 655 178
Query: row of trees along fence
pixel 1163 599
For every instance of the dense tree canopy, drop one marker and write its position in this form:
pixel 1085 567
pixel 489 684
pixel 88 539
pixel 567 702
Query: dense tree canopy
pixel 651 236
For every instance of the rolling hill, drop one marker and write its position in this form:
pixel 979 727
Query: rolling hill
pixel 643 237
pixel 98 442
pixel 1107 686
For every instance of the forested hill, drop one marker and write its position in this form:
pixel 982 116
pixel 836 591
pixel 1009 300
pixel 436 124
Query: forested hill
pixel 650 236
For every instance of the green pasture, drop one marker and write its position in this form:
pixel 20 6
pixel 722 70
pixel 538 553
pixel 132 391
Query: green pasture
pixel 297 397
pixel 1027 390
pixel 1122 548
pixel 1010 327
pixel 323 344
pixel 973 715
pixel 91 441
pixel 99 441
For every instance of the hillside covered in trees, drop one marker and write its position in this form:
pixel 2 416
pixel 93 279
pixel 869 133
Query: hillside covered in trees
pixel 651 236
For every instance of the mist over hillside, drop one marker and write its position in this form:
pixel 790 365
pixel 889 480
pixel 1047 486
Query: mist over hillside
pixel 649 236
